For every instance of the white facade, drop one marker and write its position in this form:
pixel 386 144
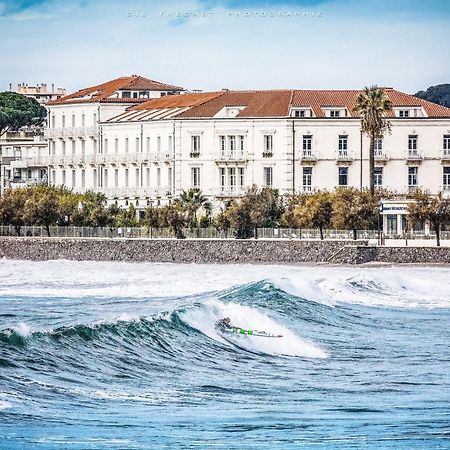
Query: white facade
pixel 150 161
pixel 23 160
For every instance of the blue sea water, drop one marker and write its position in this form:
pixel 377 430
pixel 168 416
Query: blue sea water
pixel 127 356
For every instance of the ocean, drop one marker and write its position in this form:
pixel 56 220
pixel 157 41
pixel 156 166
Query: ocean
pixel 128 356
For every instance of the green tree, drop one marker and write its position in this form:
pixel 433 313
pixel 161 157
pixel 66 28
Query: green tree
pixel 257 208
pixel 372 105
pixel 353 209
pixel 192 201
pixel 315 211
pixel 222 222
pixel 12 208
pixel 17 111
pixel 173 216
pixel 435 209
pixel 42 208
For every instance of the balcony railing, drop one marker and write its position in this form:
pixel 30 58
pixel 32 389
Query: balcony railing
pixel 308 155
pixel 380 155
pixel 229 191
pixel 71 132
pixel 445 154
pixel 230 156
pixel 414 155
pixel 25 182
pixel 344 155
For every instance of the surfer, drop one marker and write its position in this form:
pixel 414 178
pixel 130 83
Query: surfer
pixel 225 323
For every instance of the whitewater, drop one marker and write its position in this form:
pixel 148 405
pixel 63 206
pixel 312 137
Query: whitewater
pixel 127 355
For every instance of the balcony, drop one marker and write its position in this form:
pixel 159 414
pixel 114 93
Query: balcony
pixel 380 156
pixel 344 156
pixel 308 157
pixel 25 182
pixel 414 156
pixel 229 191
pixel 230 157
pixel 37 161
pixel 71 132
pixel 445 154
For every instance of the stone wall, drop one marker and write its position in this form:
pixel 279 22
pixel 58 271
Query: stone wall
pixel 171 250
pixel 217 251
pixel 395 255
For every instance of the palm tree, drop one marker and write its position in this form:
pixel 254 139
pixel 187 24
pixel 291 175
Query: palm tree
pixel 372 105
pixel 192 200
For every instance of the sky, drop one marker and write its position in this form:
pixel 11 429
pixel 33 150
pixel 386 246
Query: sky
pixel 235 44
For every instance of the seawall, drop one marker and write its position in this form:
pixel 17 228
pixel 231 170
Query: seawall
pixel 217 251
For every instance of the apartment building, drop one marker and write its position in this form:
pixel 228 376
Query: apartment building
pixel 23 159
pixel 74 135
pixel 41 92
pixel 224 142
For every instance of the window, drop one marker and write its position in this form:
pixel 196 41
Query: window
pixel 169 178
pixel 53 121
pixel 413 178
pixel 94 119
pixel 378 176
pixel 241 175
pixel 147 176
pixel 222 145
pixel 63 177
pixel 116 177
pixel 343 176
pixel 63 120
pixel 136 178
pixel 147 145
pixel 52 147
pixel 232 145
pixel 195 177
pixel 241 145
pixel 94 178
pixel 63 147
pixel 73 146
pixel 268 145
pixel 73 178
pixel 412 143
pixel 73 120
pixel 307 145
pixel 105 146
pixel 127 145
pixel 403 113
pixel 126 94
pixel 158 176
pixel 116 145
pixel 127 177
pixel 232 178
pixel 446 178
pixel 343 143
pixel 83 146
pixel 137 145
pixel 378 146
pixel 195 146
pixel 268 176
pixel 158 145
pixel 169 145
pixel 446 144
pixel 105 177
pixel 83 178
pixel 94 144
pixel 83 120
pixel 222 178
pixel 335 113
pixel 307 179
pixel 299 113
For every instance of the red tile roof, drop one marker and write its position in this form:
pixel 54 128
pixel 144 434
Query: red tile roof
pixel 272 103
pixel 103 92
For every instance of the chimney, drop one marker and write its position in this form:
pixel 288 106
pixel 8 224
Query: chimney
pixel 53 88
pixel 10 87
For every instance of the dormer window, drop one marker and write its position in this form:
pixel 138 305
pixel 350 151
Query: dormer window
pixel 126 94
pixel 335 113
pixel 300 112
pixel 403 113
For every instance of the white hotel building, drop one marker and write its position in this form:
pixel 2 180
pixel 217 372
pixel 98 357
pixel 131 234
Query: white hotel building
pixel 224 142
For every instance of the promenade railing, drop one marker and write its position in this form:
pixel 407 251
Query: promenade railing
pixel 200 233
